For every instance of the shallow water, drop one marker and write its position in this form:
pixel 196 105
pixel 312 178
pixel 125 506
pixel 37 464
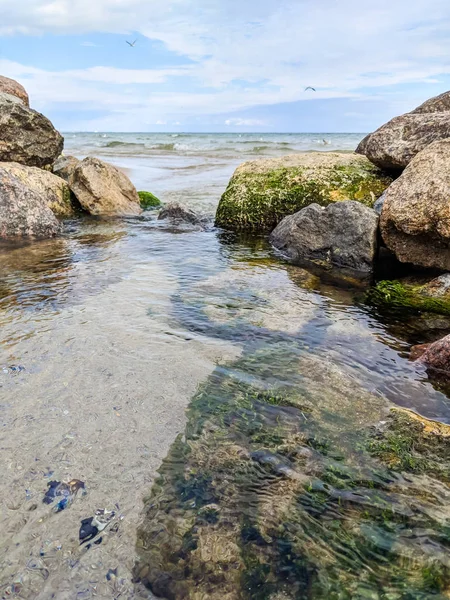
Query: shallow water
pixel 255 388
pixel 118 326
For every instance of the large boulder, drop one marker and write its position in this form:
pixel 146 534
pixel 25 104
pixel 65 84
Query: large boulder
pixel 102 189
pixel 415 219
pixel 53 189
pixel 65 166
pixel 343 235
pixel 26 136
pixel 13 88
pixel 262 192
pixel 395 144
pixel 24 211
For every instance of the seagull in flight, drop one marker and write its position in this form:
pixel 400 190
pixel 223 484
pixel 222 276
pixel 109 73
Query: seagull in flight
pixel 131 44
pixel 310 88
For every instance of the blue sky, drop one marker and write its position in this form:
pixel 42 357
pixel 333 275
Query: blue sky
pixel 226 65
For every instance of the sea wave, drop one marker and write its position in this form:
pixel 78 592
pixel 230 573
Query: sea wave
pixel 118 144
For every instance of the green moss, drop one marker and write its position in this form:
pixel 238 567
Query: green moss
pixel 400 296
pixel 149 200
pixel 259 201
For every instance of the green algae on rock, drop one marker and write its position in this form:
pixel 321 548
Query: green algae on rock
pixel 273 493
pixel 262 192
pixel 411 443
pixel 398 295
pixel 148 200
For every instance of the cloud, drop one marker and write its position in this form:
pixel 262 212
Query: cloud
pixel 245 122
pixel 245 54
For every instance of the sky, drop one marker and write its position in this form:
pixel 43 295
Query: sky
pixel 226 65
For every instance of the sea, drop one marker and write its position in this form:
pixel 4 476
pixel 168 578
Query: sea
pixel 193 168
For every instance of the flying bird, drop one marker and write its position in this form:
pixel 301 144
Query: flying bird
pixel 131 44
pixel 310 88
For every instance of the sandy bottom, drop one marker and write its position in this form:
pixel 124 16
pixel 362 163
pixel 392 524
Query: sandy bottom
pixel 102 399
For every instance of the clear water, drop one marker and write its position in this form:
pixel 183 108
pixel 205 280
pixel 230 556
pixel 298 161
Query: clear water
pixel 253 386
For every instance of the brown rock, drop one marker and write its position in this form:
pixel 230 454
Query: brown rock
pixel 415 220
pixel 53 189
pixel 26 136
pixel 23 210
pixel 13 88
pixel 102 189
pixel 396 143
pixel 436 356
pixel 437 104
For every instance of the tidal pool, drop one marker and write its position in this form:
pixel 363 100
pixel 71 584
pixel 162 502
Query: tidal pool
pixel 233 411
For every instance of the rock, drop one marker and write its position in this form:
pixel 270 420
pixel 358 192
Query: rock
pixel 262 192
pixel 435 356
pixel 102 189
pixel 149 200
pixel 378 206
pixel 415 220
pixel 65 166
pixel 407 295
pixel 175 212
pixel 438 288
pixel 27 137
pixel 343 234
pixel 13 88
pixel 23 210
pixel 53 189
pixel 396 143
pixel 439 103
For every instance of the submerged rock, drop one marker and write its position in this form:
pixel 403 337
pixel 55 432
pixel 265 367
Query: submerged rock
pixel 65 166
pixel 27 137
pixel 102 189
pixel 396 143
pixel 24 210
pixel 415 220
pixel 13 88
pixel 53 189
pixel 262 192
pixel 343 234
pixel 180 214
pixel 411 443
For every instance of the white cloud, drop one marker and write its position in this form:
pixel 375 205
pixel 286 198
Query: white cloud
pixel 247 53
pixel 245 122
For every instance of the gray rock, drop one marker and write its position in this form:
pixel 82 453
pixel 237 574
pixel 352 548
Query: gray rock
pixel 343 235
pixel 26 136
pixel 65 166
pixel 53 189
pixel 396 143
pixel 415 220
pixel 24 211
pixel 102 189
pixel 13 88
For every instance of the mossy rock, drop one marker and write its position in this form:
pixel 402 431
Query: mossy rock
pixel 398 295
pixel 261 193
pixel 149 200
